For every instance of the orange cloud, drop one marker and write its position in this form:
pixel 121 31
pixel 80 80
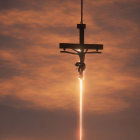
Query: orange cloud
pixel 48 79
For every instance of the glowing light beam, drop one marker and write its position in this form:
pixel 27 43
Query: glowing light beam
pixel 81 107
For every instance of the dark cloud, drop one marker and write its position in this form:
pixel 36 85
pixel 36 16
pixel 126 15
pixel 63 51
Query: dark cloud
pixel 8 4
pixel 31 124
pixel 123 125
pixel 42 124
pixel 11 43
pixel 8 71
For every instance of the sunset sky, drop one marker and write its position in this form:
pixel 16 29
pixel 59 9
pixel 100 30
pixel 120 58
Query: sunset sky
pixel 39 87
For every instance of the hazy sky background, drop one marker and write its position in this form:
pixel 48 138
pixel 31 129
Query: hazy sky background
pixel 39 87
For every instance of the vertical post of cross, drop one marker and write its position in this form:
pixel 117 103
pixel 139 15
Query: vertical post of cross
pixel 81 11
pixel 81 28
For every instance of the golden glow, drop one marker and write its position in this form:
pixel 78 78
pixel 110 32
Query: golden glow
pixel 79 50
pixel 81 107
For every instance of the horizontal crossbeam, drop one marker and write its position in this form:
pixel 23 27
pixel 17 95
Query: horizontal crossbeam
pixel 79 46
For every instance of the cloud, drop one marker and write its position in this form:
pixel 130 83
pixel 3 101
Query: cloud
pixel 34 73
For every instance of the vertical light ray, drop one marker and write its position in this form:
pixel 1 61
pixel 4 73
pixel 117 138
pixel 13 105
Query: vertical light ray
pixel 81 107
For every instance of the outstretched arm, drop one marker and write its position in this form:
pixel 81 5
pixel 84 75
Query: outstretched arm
pixel 68 52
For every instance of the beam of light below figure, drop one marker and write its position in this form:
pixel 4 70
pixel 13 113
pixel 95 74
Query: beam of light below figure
pixel 81 107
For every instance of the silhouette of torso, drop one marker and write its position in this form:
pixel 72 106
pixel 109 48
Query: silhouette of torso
pixel 82 57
